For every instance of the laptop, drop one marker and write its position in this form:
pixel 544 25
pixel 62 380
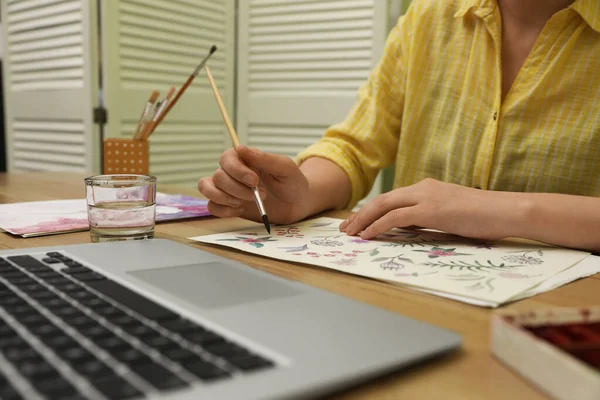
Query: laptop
pixel 159 319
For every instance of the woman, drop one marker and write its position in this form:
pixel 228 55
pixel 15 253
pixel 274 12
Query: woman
pixel 490 111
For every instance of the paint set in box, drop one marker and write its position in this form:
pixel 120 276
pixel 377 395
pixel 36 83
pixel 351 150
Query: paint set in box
pixel 558 350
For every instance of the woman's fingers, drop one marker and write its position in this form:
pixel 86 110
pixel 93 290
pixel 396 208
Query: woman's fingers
pixel 227 184
pixel 377 208
pixel 219 210
pixel 399 217
pixel 207 187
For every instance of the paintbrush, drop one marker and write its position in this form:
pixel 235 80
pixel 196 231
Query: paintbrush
pixel 159 110
pixel 145 114
pixel 185 86
pixel 235 141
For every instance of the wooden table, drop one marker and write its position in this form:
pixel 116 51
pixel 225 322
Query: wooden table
pixel 471 373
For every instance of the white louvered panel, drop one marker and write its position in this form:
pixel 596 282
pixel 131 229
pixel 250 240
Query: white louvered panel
pixel 46 145
pixel 307 46
pixel 45 42
pixel 154 44
pixel 302 63
pixel 50 73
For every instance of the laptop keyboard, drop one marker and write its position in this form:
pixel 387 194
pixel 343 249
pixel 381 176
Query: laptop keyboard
pixel 67 332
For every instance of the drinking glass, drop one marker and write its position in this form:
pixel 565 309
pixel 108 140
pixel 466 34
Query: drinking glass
pixel 121 207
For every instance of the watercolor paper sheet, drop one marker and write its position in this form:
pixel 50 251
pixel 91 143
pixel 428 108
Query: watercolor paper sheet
pixel 39 218
pixel 477 272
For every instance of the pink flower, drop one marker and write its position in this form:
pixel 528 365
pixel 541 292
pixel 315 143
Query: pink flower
pixel 358 240
pixel 250 240
pixel 442 253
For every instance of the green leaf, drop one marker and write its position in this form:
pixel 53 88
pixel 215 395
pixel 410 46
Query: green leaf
pixel 257 245
pixel 381 259
pixel 228 240
pixel 374 252
pixel 264 238
pixel 408 260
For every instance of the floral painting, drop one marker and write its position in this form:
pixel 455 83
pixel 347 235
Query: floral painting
pixel 490 273
pixel 60 216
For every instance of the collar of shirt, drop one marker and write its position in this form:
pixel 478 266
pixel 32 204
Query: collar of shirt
pixel 587 9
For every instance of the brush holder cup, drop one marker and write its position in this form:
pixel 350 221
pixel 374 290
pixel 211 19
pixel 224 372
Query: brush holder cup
pixel 126 156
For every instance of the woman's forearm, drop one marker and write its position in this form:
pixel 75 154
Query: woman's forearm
pixel 330 187
pixel 558 219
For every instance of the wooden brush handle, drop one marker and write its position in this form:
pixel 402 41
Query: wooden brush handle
pixel 234 138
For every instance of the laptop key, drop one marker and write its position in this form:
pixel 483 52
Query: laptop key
pixel 75 355
pixel 32 319
pixel 59 342
pixel 50 260
pixel 4 268
pixel 90 276
pixel 226 350
pixel 112 343
pixel 121 318
pixel 138 329
pixel 58 281
pixel 55 254
pixel 250 362
pixel 76 270
pixel 44 330
pixel 7 391
pixel 158 341
pixel 159 377
pixel 131 356
pixel 109 311
pixel 26 262
pixel 68 287
pixel 94 302
pixel 203 337
pixel 72 264
pixel 116 388
pixel 179 325
pixel 43 296
pixel 50 274
pixel 33 288
pixel 131 299
pixel 40 270
pixel 179 354
pixel 94 369
pixel 205 370
pixel 37 369
pixel 55 387
pixel 18 354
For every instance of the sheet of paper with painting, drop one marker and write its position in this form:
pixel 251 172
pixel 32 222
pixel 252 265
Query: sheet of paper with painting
pixel 38 218
pixel 482 273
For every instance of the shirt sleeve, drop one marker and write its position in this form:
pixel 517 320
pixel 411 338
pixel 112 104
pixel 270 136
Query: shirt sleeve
pixel 367 139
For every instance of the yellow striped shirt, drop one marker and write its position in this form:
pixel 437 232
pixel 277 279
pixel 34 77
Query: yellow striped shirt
pixel 433 105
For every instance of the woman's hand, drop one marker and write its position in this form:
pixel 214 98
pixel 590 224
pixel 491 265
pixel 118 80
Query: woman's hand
pixel 282 186
pixel 437 205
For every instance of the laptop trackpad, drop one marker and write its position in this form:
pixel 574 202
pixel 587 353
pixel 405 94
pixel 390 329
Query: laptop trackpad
pixel 214 285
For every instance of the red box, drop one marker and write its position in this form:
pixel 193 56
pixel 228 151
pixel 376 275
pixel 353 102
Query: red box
pixel 558 350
